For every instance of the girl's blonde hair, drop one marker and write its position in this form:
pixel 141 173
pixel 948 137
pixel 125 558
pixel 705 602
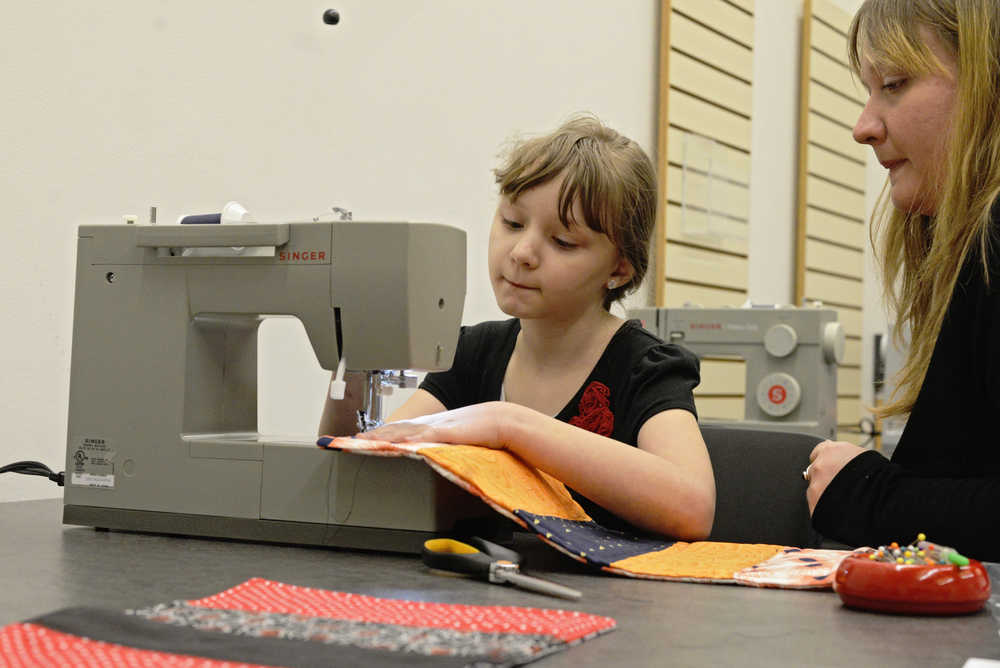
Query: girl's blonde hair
pixel 921 256
pixel 607 173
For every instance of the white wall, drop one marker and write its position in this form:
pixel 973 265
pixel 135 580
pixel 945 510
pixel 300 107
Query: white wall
pixel 777 38
pixel 875 319
pixel 774 151
pixel 396 113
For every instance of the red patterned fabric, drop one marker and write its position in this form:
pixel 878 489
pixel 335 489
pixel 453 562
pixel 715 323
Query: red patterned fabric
pixel 34 646
pixel 271 624
pixel 595 410
pixel 259 595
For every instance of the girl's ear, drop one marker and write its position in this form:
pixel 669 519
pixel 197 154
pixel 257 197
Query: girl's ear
pixel 623 272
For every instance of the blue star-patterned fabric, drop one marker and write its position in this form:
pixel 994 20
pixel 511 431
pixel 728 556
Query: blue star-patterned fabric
pixel 591 541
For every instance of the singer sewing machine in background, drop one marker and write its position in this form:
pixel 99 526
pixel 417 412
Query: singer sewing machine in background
pixel 791 357
pixel 162 431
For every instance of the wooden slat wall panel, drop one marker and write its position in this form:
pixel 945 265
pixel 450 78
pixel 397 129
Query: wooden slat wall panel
pixel 850 318
pixel 834 259
pixel 833 197
pixel 849 377
pixel 834 74
pixel 722 377
pixel 692 294
pixel 832 103
pixel 852 437
pixel 709 120
pixel 831 15
pixel 702 228
pixel 706 70
pixel 704 192
pixel 835 167
pixel 852 352
pixel 838 229
pixel 833 289
pixel 745 5
pixel 835 137
pixel 829 40
pixel 710 84
pixel 831 222
pixel 725 408
pixel 849 411
pixel 735 24
pixel 727 163
pixel 696 40
pixel 706 267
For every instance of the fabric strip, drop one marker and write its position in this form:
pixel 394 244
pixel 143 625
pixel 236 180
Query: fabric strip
pixel 135 632
pixel 260 595
pixel 35 646
pixel 700 561
pixel 543 504
pixel 589 541
pixel 794 568
pixel 494 648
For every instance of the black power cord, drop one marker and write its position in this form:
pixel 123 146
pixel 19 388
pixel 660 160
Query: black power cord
pixel 866 427
pixel 35 468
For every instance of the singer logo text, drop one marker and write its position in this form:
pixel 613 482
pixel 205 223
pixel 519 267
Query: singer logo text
pixel 302 256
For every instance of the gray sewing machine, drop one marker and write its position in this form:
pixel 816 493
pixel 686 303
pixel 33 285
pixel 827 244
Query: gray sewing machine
pixel 162 430
pixel 791 357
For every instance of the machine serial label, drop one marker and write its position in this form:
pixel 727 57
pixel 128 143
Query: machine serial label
pixel 87 480
pixel 93 464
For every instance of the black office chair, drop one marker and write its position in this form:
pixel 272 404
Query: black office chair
pixel 760 495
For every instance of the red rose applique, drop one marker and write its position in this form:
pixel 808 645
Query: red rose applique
pixel 594 411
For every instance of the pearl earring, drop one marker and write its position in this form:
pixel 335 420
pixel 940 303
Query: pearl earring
pixel 612 284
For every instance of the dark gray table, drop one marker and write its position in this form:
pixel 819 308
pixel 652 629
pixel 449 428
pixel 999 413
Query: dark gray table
pixel 47 566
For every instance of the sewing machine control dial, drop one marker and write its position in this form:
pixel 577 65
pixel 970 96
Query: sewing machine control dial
pixel 833 343
pixel 778 394
pixel 780 340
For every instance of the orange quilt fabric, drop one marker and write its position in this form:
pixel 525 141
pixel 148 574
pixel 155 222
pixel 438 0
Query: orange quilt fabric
pixel 541 503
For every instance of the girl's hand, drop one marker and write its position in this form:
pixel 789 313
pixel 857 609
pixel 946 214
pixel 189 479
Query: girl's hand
pixel 825 462
pixel 479 424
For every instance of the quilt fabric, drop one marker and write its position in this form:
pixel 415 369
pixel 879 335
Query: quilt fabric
pixel 539 502
pixel 265 623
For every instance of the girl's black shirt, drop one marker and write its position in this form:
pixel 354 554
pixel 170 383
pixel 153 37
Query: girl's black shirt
pixel 637 376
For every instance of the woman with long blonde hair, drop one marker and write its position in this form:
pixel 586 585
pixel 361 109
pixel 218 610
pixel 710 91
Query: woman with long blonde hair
pixel 932 71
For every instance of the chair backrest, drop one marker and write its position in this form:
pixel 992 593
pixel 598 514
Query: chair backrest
pixel 760 492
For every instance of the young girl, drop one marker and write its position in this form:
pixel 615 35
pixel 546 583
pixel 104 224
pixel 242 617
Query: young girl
pixel 595 401
pixel 932 69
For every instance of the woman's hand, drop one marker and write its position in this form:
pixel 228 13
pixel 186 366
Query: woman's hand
pixel 825 462
pixel 479 424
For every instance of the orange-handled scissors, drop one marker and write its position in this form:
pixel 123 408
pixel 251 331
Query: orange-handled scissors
pixel 475 556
